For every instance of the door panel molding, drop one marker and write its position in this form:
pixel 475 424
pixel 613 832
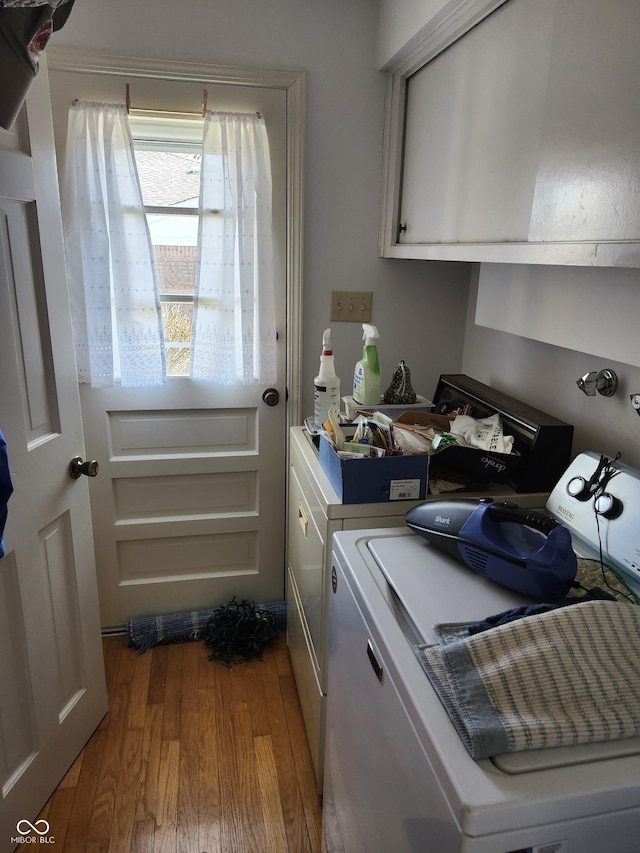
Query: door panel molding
pixel 178 432
pixel 184 495
pixel 58 565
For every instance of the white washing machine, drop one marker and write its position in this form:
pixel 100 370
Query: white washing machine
pixel 398 777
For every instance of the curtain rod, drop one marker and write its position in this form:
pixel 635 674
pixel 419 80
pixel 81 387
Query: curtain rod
pixel 205 98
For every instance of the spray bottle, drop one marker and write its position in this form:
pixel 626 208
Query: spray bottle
pixel 326 385
pixel 366 377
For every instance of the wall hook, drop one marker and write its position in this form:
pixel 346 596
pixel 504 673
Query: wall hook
pixel 604 382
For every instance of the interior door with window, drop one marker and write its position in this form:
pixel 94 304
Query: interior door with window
pixel 52 685
pixel 189 508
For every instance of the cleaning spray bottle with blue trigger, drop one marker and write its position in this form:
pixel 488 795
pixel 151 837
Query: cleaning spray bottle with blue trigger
pixel 366 377
pixel 326 385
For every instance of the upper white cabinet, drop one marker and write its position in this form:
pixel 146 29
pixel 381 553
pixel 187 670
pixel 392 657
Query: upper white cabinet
pixel 513 135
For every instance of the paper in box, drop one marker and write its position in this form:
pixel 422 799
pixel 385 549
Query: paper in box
pixel 375 480
pixel 483 466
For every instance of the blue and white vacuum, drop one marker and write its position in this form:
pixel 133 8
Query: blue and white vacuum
pixel 526 551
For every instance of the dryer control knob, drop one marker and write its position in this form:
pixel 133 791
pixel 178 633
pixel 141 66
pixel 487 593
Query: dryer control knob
pixel 578 488
pixel 608 506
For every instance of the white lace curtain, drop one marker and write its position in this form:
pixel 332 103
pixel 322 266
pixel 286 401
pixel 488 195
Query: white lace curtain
pixel 234 338
pixel 115 306
pixel 116 310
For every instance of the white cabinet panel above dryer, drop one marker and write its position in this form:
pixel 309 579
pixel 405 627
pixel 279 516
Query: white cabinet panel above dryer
pixel 516 142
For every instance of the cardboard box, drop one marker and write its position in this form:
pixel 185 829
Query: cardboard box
pixel 482 466
pixel 351 407
pixel 370 480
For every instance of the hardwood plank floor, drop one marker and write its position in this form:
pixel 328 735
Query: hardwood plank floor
pixel 192 758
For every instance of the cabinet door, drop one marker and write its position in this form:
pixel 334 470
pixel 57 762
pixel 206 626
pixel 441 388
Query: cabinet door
pixel 312 699
pixel 518 141
pixel 306 559
pixel 588 180
pixel 473 128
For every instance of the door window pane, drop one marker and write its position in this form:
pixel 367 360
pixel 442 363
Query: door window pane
pixel 176 320
pixel 174 240
pixel 169 178
pixel 169 173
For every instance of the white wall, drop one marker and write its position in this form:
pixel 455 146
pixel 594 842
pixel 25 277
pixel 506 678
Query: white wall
pixel 400 22
pixel 419 308
pixel 545 376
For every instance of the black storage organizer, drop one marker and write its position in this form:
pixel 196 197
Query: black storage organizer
pixel 541 442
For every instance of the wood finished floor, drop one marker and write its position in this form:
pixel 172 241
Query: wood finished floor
pixel 192 758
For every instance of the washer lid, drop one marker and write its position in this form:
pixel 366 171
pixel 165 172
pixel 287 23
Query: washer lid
pixel 515 763
pixel 434 587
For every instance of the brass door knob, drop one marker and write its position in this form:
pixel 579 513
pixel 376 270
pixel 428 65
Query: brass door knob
pixel 271 397
pixel 78 466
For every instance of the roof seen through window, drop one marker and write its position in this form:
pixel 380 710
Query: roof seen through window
pixel 169 178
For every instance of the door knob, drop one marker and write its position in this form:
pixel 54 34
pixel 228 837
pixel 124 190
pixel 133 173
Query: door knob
pixel 78 466
pixel 271 397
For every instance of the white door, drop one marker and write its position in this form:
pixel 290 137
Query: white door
pixel 52 689
pixel 189 508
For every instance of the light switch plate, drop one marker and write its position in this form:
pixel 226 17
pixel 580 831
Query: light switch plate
pixel 350 306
